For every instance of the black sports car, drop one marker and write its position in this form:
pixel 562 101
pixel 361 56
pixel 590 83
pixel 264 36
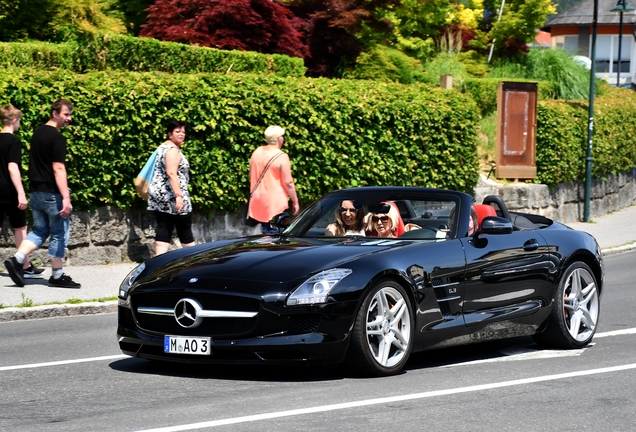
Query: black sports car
pixel 366 276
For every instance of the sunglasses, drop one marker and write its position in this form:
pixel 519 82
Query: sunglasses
pixel 346 209
pixel 380 218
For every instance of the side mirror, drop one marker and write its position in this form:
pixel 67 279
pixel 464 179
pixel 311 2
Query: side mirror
pixel 281 221
pixel 496 225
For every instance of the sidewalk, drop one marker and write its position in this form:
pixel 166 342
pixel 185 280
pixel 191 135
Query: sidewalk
pixel 98 282
pixel 615 232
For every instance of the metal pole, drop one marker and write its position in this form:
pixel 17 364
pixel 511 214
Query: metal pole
pixel 590 124
pixel 492 46
pixel 620 40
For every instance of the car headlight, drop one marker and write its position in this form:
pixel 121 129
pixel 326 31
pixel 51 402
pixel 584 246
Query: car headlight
pixel 129 280
pixel 316 289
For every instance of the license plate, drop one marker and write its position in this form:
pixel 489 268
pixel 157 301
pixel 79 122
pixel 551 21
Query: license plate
pixel 187 345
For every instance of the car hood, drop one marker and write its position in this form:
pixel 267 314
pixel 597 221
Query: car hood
pixel 265 259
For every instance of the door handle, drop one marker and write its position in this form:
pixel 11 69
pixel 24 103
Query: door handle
pixel 531 245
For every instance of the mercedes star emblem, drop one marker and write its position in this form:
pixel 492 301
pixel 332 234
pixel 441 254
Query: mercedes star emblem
pixel 187 313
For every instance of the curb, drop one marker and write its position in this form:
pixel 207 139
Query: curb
pixel 618 249
pixel 58 310
pixel 94 308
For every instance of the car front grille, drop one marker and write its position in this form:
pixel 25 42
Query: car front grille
pixel 301 324
pixel 215 327
pixel 208 301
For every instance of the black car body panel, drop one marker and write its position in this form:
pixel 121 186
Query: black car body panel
pixel 461 288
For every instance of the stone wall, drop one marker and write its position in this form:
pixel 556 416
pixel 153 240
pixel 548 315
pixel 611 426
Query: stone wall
pixel 565 203
pixel 109 235
pixel 112 236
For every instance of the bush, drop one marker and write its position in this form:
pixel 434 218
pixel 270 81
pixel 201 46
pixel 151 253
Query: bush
pixel 562 138
pixel 569 80
pixel 484 92
pixel 442 64
pixel 118 52
pixel 388 65
pixel 37 55
pixel 341 133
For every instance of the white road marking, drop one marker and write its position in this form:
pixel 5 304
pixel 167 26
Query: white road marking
pixel 521 354
pixel 62 362
pixel 524 352
pixel 616 333
pixel 527 352
pixel 387 400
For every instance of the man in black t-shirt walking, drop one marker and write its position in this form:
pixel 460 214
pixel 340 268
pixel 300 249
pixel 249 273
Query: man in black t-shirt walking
pixel 50 198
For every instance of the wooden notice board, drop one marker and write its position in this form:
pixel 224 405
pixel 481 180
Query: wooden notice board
pixel 516 130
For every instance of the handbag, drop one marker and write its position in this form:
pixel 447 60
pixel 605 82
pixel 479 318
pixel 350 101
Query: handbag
pixel 144 178
pixel 249 221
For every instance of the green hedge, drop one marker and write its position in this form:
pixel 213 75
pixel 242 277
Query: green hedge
pixel 485 90
pixel 341 133
pixel 562 137
pixel 127 53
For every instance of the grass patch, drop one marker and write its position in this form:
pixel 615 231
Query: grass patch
pixel 28 302
pixel 487 142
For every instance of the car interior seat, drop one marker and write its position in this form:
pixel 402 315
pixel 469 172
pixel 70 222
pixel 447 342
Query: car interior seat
pixel 483 210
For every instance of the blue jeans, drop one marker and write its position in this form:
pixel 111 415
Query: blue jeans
pixel 266 228
pixel 46 207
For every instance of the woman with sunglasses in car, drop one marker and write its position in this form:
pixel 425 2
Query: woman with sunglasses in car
pixel 349 221
pixel 384 224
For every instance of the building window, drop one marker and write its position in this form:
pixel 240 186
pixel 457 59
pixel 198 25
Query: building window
pixel 568 43
pixel 607 54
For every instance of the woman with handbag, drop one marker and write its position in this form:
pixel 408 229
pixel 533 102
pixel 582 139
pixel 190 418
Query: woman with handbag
pixel 271 181
pixel 168 195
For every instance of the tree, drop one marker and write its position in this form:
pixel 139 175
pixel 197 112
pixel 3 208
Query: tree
pixel 25 19
pixel 336 31
pixel 49 19
pixel 131 12
pixel 518 25
pixel 264 26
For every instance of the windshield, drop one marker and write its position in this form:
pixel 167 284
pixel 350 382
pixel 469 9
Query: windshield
pixel 380 215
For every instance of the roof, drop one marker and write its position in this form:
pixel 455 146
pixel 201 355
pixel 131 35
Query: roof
pixel 582 13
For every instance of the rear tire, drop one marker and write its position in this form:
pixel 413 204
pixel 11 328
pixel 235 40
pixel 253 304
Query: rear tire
pixel 382 336
pixel 575 312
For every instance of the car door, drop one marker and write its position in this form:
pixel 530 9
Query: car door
pixel 507 275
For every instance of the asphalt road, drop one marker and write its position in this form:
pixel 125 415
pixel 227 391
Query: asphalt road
pixel 67 374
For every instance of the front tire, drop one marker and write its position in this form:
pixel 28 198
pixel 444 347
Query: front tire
pixel 383 332
pixel 575 312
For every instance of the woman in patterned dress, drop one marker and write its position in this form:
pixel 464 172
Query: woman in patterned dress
pixel 168 195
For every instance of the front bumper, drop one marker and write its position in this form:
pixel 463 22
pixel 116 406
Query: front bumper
pixel 311 348
pixel 320 335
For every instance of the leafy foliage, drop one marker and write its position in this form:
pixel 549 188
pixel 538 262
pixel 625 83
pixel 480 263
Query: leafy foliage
pixel 131 12
pixel 518 24
pixel 249 25
pixel 389 65
pixel 336 31
pixel 568 79
pixel 51 20
pixel 339 133
pixel 23 19
pixel 107 52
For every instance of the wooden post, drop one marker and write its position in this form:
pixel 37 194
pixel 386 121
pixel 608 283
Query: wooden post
pixel 446 81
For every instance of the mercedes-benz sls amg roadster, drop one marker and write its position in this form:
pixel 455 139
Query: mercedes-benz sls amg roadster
pixel 364 277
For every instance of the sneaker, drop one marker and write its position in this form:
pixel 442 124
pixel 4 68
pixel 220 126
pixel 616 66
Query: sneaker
pixel 32 272
pixel 15 271
pixel 64 281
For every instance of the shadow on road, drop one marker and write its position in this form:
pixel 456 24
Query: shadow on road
pixel 422 360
